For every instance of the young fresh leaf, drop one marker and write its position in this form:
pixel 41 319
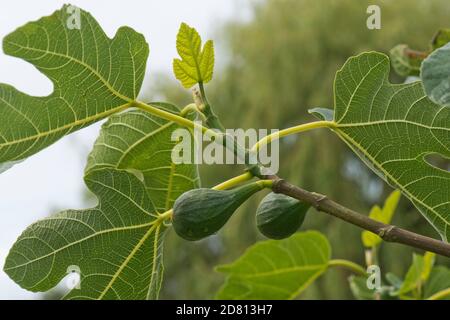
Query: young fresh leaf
pixel 417 274
pixel 117 245
pixel 93 77
pixel 358 286
pixel 138 141
pixel 370 239
pixel 435 75
pixel 392 128
pixel 276 269
pixel 428 263
pixel 407 62
pixel 384 215
pixel 196 64
pixel 413 276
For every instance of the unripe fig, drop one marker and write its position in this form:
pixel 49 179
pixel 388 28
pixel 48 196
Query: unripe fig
pixel 278 216
pixel 199 213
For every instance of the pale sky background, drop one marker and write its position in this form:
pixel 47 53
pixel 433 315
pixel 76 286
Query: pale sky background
pixel 52 179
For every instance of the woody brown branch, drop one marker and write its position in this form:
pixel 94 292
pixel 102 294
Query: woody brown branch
pixel 387 232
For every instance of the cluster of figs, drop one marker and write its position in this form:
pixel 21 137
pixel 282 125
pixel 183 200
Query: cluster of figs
pixel 202 212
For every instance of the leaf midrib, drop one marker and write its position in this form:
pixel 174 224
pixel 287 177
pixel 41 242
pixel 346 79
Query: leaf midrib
pixel 155 254
pixel 127 260
pixel 194 55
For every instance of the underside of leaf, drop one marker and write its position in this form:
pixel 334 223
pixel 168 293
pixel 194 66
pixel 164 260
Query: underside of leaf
pixel 393 128
pixel 116 245
pixel 93 77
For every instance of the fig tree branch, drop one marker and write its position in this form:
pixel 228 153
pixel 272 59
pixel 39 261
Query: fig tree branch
pixel 212 121
pixel 387 232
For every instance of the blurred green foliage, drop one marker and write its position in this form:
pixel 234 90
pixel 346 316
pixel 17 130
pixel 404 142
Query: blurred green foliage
pixel 273 69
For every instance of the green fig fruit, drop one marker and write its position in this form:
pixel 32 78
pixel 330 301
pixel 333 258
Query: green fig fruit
pixel 278 216
pixel 199 213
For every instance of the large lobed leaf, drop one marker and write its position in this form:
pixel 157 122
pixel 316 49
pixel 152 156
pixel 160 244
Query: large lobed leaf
pixel 93 77
pixel 405 61
pixel 277 269
pixel 118 245
pixel 115 245
pixel 392 128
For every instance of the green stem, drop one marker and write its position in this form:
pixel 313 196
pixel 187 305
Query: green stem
pixel 175 118
pixel 371 255
pixel 242 178
pixel 211 120
pixel 440 294
pixel 267 183
pixel 356 268
pixel 292 130
pixel 375 255
pixel 218 136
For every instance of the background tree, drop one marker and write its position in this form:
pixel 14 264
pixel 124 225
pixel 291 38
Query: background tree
pixel 278 65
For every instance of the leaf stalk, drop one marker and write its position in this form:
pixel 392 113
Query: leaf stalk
pixel 354 267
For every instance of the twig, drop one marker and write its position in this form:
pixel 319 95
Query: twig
pixel 387 232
